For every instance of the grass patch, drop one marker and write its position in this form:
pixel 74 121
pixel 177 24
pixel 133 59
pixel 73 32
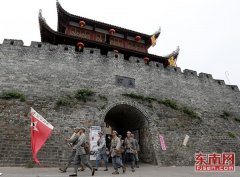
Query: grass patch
pixel 63 101
pixel 231 135
pixel 134 96
pixel 139 97
pixel 189 112
pixel 12 95
pixel 103 97
pixel 169 103
pixel 150 99
pixel 84 94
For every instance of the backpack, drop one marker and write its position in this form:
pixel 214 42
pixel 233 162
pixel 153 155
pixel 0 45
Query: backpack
pixel 87 147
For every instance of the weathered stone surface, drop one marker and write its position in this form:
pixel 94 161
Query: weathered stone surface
pixel 44 73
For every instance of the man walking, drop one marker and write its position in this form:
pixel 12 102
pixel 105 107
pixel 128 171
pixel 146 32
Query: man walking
pixel 72 142
pixel 137 150
pixel 130 149
pixel 81 155
pixel 101 154
pixel 116 153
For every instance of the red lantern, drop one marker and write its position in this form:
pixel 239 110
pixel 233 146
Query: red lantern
pixel 80 45
pixel 138 38
pixel 146 60
pixel 115 51
pixel 82 24
pixel 112 31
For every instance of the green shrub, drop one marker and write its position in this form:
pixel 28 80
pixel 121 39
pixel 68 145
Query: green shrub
pixel 169 103
pixel 134 96
pixel 12 95
pixel 139 97
pixel 63 101
pixel 83 94
pixel 189 112
pixel 231 135
pixel 150 99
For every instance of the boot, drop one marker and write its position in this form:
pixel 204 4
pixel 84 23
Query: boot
pixel 63 170
pixel 124 169
pixel 136 164
pixel 115 173
pixel 93 171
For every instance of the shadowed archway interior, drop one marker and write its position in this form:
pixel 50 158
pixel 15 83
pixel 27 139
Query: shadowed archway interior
pixel 124 117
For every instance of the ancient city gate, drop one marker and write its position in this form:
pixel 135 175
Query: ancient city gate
pixel 123 118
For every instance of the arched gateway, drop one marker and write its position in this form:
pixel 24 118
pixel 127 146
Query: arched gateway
pixel 124 117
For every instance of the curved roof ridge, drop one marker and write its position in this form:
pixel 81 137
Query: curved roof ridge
pixel 61 9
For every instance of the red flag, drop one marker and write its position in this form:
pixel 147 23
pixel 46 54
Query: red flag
pixel 40 131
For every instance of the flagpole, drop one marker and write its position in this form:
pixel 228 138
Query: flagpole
pixel 58 132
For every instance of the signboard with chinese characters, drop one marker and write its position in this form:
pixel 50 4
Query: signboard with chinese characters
pixel 125 81
pixel 93 141
pixel 162 143
pixel 185 141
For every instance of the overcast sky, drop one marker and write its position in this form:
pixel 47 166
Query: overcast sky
pixel 207 31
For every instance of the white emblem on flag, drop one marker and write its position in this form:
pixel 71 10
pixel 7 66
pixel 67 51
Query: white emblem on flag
pixel 34 126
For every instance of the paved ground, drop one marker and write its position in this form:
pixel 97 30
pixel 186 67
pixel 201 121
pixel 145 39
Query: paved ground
pixel 144 171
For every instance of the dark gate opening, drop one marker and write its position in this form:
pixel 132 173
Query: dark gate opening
pixel 123 118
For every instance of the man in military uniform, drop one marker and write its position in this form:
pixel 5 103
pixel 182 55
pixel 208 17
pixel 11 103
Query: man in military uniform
pixel 122 148
pixel 81 155
pixel 130 150
pixel 101 153
pixel 71 142
pixel 137 150
pixel 116 153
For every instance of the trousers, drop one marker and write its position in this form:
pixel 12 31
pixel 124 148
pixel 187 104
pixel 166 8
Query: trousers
pixel 117 162
pixel 78 159
pixel 130 157
pixel 70 159
pixel 102 157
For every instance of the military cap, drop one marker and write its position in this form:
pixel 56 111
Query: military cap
pixel 77 128
pixel 82 128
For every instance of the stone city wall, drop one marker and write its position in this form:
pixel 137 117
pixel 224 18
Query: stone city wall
pixel 207 110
